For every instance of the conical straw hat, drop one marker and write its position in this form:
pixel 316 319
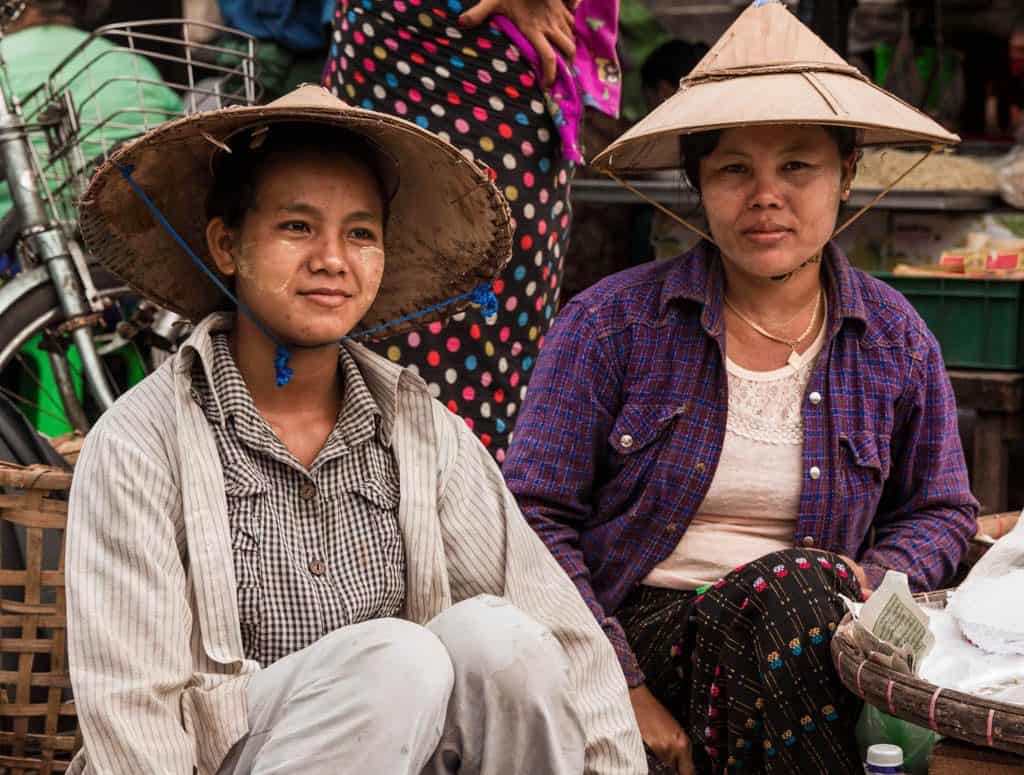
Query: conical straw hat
pixel 769 69
pixel 449 228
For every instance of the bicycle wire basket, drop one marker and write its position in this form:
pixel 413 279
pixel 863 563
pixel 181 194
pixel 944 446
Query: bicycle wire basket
pixel 109 89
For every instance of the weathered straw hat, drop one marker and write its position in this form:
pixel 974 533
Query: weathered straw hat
pixel 449 228
pixel 768 68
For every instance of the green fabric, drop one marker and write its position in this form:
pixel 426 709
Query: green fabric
pixel 280 69
pixel 925 60
pixel 32 55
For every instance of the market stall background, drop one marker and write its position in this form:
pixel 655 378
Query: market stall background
pixel 960 60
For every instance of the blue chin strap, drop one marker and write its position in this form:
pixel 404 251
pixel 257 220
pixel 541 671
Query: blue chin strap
pixel 482 295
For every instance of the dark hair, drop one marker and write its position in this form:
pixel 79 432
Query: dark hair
pixel 670 62
pixel 236 175
pixel 693 148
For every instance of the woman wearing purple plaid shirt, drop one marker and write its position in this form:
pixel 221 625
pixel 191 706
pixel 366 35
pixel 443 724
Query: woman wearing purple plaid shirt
pixel 718 446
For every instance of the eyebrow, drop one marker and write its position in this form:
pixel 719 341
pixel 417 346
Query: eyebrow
pixel 303 208
pixel 798 146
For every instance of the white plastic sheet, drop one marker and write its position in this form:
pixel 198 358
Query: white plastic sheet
pixel 989 605
pixel 979 636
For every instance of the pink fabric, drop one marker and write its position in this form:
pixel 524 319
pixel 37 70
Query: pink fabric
pixel 591 80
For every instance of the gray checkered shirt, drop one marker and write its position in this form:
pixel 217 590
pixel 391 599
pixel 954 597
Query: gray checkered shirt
pixel 313 550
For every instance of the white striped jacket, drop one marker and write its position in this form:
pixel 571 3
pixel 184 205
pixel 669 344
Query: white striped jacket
pixel 155 649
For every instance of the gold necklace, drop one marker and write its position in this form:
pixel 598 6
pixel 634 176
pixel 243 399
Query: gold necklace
pixel 794 358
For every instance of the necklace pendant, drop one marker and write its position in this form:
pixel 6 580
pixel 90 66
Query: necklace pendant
pixel 793 359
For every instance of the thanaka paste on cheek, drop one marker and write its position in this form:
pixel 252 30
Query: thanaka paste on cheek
pixel 245 269
pixel 368 254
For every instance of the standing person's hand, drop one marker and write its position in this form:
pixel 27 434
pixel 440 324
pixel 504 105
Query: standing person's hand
pixel 661 732
pixel 547 24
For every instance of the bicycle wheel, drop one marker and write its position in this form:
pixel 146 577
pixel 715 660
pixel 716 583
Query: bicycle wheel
pixel 26 330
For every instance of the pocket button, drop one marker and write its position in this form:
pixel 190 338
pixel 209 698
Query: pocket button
pixel 815 472
pixel 626 441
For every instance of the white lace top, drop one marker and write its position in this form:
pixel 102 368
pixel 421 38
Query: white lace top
pixel 752 504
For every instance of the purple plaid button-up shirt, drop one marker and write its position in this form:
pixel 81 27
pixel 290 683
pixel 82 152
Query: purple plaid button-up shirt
pixel 622 429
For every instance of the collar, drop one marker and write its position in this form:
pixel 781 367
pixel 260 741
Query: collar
pixel 697 276
pixel 383 379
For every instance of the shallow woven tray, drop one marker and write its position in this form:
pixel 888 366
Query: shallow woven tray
pixel 948 712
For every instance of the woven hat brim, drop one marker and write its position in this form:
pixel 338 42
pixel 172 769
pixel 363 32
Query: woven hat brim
pixel 449 227
pixel 805 97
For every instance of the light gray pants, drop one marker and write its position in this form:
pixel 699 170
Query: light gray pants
pixel 481 689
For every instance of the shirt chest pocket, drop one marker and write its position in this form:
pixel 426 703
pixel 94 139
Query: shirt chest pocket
pixel 638 440
pixel 638 429
pixel 374 502
pixel 377 498
pixel 864 462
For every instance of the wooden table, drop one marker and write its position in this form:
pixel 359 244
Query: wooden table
pixel 998 399
pixel 954 757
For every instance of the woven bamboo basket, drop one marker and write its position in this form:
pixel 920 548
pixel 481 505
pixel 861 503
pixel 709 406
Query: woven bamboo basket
pixel 38 727
pixel 954 714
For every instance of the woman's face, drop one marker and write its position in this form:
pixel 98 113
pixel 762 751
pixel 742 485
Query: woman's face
pixel 771 195
pixel 309 255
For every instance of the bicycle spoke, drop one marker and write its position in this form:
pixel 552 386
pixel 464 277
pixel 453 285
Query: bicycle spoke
pixel 17 397
pixel 26 368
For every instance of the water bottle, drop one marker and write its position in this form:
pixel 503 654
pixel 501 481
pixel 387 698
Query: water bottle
pixel 884 759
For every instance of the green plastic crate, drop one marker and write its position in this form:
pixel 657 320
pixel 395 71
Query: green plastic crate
pixel 979 323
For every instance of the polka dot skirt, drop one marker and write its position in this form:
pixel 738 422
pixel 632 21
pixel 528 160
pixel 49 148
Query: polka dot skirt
pixel 472 88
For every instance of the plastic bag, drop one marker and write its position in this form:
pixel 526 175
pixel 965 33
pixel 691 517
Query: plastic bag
pixel 875 726
pixel 989 604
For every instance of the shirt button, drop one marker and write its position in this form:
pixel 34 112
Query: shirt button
pixel 815 472
pixel 700 468
pixel 307 491
pixel 815 398
pixel 316 567
pixel 807 541
pixel 196 398
pixel 626 440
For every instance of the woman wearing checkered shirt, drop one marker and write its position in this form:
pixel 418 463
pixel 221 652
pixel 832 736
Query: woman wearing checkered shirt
pixel 283 555
pixel 717 447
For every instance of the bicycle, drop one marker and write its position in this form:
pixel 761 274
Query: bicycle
pixel 88 323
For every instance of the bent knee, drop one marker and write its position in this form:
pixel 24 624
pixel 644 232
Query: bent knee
pixel 492 643
pixel 393 654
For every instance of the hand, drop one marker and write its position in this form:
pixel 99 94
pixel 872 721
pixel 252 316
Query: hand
pixel 661 732
pixel 862 577
pixel 545 23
